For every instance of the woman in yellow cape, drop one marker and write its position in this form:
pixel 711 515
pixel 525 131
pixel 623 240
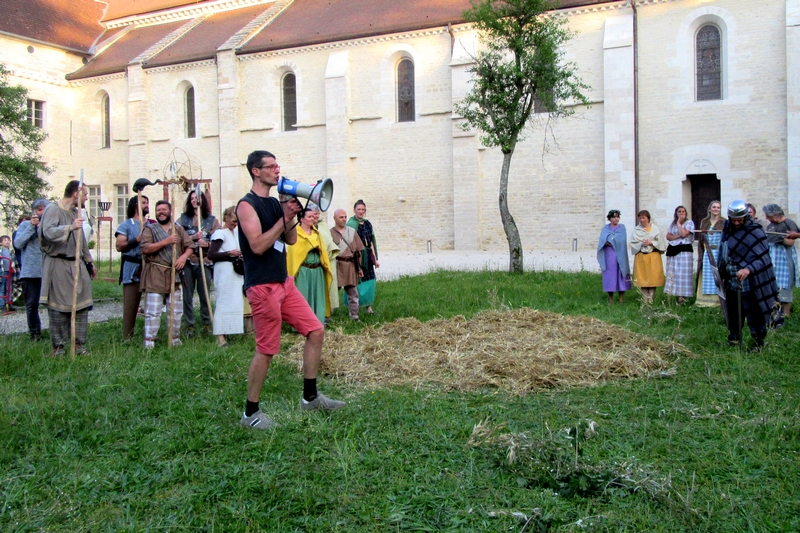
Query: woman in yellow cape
pixel 307 261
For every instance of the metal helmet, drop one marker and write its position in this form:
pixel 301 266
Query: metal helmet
pixel 737 209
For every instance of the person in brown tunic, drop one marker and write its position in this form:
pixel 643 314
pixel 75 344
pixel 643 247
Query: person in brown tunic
pixel 59 227
pixel 348 262
pixel 156 244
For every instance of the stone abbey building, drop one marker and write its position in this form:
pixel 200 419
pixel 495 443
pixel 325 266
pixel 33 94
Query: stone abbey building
pixel 690 100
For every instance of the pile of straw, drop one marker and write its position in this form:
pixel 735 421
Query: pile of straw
pixel 519 351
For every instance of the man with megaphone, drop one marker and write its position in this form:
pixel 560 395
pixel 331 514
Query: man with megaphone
pixel 266 227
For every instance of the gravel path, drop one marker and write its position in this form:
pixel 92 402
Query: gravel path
pixel 393 266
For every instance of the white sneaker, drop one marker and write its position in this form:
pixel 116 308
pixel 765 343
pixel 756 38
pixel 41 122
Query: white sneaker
pixel 257 420
pixel 321 402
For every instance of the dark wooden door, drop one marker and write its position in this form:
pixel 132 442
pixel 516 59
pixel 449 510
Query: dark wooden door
pixel 705 189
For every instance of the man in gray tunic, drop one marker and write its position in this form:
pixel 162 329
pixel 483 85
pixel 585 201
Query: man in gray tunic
pixel 59 227
pixel 348 262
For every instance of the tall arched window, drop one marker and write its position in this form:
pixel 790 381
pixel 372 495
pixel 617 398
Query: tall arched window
pixel 405 91
pixel 289 92
pixel 105 119
pixel 708 49
pixel 188 113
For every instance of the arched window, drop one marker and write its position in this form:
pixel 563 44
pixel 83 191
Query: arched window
pixel 405 91
pixel 289 91
pixel 708 50
pixel 189 128
pixel 105 119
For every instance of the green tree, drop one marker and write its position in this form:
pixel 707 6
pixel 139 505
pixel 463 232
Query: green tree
pixel 520 69
pixel 20 167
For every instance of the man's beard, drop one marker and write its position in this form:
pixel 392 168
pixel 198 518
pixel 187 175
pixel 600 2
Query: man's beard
pixel 163 219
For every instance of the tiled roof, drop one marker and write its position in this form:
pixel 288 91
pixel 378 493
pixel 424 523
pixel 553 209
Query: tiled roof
pixel 117 56
pixel 304 22
pixel 72 24
pixel 125 8
pixel 308 22
pixel 204 39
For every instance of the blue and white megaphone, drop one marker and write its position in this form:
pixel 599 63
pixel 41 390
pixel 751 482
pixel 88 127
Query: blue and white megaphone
pixel 321 193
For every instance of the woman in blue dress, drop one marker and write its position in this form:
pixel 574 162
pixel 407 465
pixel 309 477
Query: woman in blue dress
pixel 710 231
pixel 612 255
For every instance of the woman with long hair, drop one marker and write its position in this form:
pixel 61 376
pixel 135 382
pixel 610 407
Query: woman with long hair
pixel 680 236
pixel 199 224
pixel 711 232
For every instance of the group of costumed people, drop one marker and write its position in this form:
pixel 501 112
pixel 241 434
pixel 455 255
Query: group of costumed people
pixel 201 243
pixel 345 254
pixel 748 265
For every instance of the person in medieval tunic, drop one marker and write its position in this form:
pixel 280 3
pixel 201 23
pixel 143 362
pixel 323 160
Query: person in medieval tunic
pixel 332 249
pixel 369 258
pixel 224 251
pixel 612 256
pixel 348 262
pixel 746 269
pixel 199 224
pixel 711 235
pixel 680 236
pixel 783 255
pixel 307 262
pixel 647 245
pixel 59 228
pixel 128 236
pixel 156 245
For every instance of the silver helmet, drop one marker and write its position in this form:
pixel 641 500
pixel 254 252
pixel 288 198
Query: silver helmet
pixel 737 209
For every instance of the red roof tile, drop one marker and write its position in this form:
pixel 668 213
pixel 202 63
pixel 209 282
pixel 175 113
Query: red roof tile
pixel 125 8
pixel 204 39
pixel 72 24
pixel 117 56
pixel 307 22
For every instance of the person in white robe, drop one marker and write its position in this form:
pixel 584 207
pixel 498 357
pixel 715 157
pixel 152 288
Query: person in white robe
pixel 224 251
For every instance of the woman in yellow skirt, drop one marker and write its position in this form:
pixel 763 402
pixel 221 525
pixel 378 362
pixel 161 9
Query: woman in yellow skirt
pixel 647 245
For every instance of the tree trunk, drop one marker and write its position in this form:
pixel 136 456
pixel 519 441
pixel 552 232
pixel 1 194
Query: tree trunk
pixel 509 226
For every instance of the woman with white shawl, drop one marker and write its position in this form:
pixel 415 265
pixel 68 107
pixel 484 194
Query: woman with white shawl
pixel 647 245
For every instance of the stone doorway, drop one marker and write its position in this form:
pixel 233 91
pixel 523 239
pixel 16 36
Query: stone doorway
pixel 705 189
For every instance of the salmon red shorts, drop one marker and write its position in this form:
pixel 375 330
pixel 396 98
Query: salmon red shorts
pixel 273 303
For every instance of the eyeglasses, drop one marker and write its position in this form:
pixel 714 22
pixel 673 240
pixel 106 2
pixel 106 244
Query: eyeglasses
pixel 270 167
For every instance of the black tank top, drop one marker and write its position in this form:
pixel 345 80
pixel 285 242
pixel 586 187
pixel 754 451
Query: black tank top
pixel 269 267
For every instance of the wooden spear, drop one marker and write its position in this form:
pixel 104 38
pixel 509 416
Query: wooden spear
pixel 198 191
pixel 76 274
pixel 174 253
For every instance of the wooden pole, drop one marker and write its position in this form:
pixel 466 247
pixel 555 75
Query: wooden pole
pixel 198 194
pixel 141 215
pixel 205 284
pixel 76 274
pixel 172 275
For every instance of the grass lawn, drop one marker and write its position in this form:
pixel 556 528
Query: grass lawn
pixel 127 440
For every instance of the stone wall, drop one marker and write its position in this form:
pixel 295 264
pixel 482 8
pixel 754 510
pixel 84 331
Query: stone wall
pixel 429 180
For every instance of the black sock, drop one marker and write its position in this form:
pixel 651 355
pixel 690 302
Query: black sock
pixel 309 389
pixel 250 408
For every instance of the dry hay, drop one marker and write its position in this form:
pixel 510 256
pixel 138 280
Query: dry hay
pixel 519 351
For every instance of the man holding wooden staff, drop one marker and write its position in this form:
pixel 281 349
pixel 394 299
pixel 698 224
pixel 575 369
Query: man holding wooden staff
pixel 157 248
pixel 59 228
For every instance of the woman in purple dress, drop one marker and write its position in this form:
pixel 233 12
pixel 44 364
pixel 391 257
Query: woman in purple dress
pixel 612 254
